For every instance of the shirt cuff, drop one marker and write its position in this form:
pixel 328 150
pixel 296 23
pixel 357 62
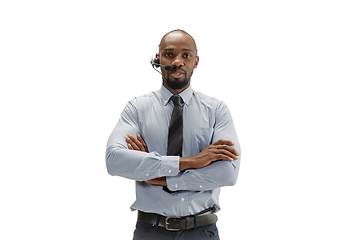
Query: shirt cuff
pixel 170 166
pixel 176 183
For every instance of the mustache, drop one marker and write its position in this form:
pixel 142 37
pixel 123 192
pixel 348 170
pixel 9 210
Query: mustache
pixel 177 69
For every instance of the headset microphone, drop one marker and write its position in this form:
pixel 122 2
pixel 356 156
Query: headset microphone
pixel 156 62
pixel 167 67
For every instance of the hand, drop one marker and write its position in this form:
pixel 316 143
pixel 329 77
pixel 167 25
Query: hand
pixel 140 145
pixel 219 150
pixel 161 181
pixel 136 144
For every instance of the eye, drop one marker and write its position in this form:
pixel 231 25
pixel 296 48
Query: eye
pixel 168 54
pixel 187 55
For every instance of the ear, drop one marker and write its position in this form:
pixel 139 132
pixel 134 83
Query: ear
pixel 196 61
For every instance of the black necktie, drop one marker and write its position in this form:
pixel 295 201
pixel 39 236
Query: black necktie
pixel 175 137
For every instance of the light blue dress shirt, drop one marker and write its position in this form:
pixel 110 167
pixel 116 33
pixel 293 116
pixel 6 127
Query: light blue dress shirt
pixel 205 120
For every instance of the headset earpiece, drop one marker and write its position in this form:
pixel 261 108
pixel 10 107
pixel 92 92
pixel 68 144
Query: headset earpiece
pixel 157 61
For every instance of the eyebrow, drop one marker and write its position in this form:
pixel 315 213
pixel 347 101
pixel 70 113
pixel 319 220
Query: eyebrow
pixel 184 49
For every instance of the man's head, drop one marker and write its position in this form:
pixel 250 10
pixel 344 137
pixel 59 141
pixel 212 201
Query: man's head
pixel 178 49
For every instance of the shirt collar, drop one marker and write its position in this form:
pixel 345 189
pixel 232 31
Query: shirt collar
pixel 185 95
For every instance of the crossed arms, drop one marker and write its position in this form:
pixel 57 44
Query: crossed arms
pixel 216 165
pixel 220 150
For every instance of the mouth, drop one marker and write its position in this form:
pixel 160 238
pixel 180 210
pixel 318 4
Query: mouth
pixel 177 74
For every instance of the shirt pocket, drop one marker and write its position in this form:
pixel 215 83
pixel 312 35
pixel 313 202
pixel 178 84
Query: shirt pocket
pixel 200 139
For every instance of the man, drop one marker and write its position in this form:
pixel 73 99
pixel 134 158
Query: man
pixel 180 146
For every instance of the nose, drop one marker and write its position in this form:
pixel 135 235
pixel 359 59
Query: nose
pixel 177 62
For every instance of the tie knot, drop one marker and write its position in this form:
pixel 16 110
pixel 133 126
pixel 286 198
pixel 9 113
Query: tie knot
pixel 176 100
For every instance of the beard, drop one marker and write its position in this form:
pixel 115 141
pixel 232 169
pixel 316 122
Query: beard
pixel 176 84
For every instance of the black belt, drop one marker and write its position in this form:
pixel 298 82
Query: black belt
pixel 178 223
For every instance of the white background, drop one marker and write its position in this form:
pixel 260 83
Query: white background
pixel 289 71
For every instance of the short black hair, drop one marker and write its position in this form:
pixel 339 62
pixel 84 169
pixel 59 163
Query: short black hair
pixel 180 30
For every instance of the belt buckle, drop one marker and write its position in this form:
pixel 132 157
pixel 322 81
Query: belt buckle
pixel 167 224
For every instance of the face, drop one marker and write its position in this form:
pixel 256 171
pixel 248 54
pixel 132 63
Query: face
pixel 178 50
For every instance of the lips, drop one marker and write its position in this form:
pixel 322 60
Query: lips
pixel 177 74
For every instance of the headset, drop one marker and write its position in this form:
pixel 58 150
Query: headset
pixel 155 62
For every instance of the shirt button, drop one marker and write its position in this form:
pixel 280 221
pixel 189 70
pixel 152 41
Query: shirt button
pixel 169 171
pixel 176 186
pixel 182 199
pixel 147 174
pixel 200 186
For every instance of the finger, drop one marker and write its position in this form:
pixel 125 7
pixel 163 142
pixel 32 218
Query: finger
pixel 229 154
pixel 225 148
pixel 130 147
pixel 224 157
pixel 139 145
pixel 142 141
pixel 131 143
pixel 224 151
pixel 228 148
pixel 133 146
pixel 127 138
pixel 223 142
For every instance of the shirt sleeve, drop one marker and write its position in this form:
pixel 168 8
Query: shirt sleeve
pixel 218 174
pixel 135 165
